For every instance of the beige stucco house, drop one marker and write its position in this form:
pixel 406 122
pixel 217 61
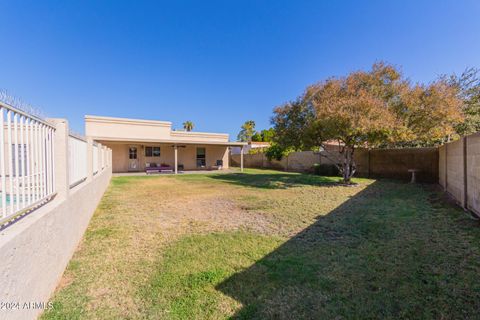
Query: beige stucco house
pixel 138 145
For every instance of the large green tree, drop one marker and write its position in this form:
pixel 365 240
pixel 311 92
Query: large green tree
pixel 366 109
pixel 265 135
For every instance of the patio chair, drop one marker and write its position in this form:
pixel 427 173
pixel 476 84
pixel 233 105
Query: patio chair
pixel 218 165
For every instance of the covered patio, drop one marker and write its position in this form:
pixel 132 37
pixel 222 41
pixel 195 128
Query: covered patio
pixel 153 147
pixel 155 157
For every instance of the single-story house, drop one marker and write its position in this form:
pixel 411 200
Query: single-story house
pixel 152 146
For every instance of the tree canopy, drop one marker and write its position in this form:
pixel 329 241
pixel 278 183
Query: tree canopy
pixel 248 133
pixel 265 135
pixel 366 109
pixel 468 87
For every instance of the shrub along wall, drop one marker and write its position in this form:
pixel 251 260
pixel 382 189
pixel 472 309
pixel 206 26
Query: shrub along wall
pixel 381 163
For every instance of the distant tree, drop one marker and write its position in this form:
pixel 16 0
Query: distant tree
pixel 277 152
pixel 293 124
pixel 247 131
pixel 257 136
pixel 268 134
pixel 468 86
pixel 188 125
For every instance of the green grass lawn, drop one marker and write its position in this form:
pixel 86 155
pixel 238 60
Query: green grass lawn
pixel 272 245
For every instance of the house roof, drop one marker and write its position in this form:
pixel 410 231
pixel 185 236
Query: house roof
pixel 152 131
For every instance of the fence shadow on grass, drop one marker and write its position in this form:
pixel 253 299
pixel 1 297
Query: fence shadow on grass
pixel 385 253
pixel 275 180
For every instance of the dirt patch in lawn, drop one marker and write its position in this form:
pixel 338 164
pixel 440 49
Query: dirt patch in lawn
pixel 209 214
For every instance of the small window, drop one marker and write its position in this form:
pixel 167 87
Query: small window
pixel 152 151
pixel 148 151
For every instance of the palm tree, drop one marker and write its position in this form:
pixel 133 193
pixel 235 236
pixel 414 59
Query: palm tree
pixel 188 125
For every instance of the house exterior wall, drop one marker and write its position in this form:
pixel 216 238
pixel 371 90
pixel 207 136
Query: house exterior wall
pixel 119 156
pixel 120 134
pixel 186 155
pixel 122 129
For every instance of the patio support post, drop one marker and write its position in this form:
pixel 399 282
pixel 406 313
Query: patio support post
pixel 241 159
pixel 176 158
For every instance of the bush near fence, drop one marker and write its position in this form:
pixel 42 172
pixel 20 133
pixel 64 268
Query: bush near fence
pixel 375 163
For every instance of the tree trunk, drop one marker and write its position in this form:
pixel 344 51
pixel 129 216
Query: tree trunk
pixel 348 167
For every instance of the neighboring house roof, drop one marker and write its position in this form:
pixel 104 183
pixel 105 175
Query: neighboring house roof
pixel 139 130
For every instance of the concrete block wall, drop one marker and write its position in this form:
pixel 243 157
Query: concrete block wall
pixel 473 172
pixel 459 173
pixel 35 250
pixel 395 163
pixel 384 163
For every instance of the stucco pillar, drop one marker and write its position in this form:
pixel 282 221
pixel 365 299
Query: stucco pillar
pixel 176 158
pixel 99 157
pixel 61 169
pixel 89 159
pixel 241 159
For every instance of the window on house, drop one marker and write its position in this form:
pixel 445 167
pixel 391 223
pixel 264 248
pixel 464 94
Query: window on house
pixel 201 157
pixel 148 151
pixel 132 153
pixel 152 151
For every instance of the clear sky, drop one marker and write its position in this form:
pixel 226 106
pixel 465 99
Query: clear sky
pixel 217 63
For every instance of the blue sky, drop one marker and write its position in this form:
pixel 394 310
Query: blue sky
pixel 217 63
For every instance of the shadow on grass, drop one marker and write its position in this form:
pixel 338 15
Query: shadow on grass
pixel 387 253
pixel 269 179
